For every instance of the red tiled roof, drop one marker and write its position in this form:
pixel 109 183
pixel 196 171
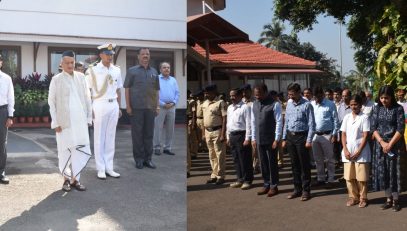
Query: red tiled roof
pixel 253 53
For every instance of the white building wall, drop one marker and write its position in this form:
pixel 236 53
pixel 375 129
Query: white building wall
pixel 154 20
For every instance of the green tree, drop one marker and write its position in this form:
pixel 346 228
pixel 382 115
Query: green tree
pixel 274 37
pixel 376 27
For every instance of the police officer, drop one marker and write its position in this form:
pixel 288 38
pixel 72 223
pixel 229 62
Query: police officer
pixel 192 148
pixel 214 119
pixel 199 121
pixel 6 118
pixel 105 80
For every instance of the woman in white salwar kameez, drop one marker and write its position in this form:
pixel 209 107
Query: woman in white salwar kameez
pixel 71 113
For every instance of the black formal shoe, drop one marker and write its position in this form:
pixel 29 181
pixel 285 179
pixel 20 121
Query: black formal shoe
pixel 396 206
pixel 66 187
pixel 157 152
pixel 4 180
pixel 168 152
pixel 211 181
pixel 386 205
pixel 318 184
pixel 220 181
pixel 149 164
pixel 139 164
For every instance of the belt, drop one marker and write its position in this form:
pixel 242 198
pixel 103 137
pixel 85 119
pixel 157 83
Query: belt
pixel 199 117
pixel 297 133
pixel 4 106
pixel 211 129
pixel 324 133
pixel 233 133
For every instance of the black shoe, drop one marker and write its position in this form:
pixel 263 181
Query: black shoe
pixel 188 174
pixel 4 180
pixel 386 205
pixel 66 187
pixel 149 164
pixel 168 152
pixel 139 164
pixel 211 181
pixel 220 181
pixel 78 186
pixel 396 206
pixel 318 184
pixel 157 152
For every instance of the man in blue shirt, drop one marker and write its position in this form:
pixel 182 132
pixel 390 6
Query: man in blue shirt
pixel 298 130
pixel 326 129
pixel 169 95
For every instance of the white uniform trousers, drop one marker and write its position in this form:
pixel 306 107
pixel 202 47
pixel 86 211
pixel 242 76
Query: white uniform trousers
pixel 164 125
pixel 72 161
pixel 106 115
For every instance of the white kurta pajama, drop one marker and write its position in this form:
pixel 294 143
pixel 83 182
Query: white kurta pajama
pixel 73 141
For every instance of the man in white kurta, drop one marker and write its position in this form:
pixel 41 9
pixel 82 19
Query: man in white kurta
pixel 71 114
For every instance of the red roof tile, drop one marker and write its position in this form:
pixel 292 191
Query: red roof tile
pixel 253 53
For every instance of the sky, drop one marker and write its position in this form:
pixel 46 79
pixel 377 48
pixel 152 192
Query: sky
pixel 325 36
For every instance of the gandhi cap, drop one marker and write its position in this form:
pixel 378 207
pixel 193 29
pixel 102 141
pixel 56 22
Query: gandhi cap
pixel 107 48
pixel 68 53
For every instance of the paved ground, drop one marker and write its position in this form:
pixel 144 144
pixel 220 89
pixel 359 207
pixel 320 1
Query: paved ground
pixel 140 200
pixel 212 207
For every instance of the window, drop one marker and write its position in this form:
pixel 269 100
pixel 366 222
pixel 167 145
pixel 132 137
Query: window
pixel 156 57
pixel 11 60
pixel 85 55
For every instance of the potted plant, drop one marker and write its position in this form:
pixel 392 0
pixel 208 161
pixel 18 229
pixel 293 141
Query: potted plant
pixel 22 113
pixel 37 113
pixel 30 113
pixel 45 113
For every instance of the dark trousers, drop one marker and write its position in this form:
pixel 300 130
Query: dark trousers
pixel 3 139
pixel 338 149
pixel 269 165
pixel 142 132
pixel 242 157
pixel 300 160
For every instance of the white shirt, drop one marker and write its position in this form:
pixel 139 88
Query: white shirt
pixel 354 128
pixel 368 107
pixel 7 92
pixel 238 119
pixel 101 73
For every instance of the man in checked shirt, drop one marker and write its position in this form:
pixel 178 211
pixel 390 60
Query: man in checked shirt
pixel 298 132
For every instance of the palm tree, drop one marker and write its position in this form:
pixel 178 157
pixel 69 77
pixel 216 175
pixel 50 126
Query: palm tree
pixel 272 35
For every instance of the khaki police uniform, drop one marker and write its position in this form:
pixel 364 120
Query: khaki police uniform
pixel 200 125
pixel 213 113
pixel 192 148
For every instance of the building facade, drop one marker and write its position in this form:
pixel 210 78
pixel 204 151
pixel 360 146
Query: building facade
pixel 33 34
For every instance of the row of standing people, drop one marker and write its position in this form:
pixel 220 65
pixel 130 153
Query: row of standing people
pixel 367 133
pixel 76 100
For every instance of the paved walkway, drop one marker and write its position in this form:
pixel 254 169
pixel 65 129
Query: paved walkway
pixel 140 200
pixel 212 207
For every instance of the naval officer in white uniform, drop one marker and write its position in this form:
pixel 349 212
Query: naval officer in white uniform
pixel 105 81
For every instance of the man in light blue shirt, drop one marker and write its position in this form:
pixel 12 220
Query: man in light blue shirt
pixel 298 130
pixel 169 95
pixel 326 129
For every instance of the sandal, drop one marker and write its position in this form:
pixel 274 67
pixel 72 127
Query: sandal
pixel 363 203
pixel 66 187
pixel 352 202
pixel 78 186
